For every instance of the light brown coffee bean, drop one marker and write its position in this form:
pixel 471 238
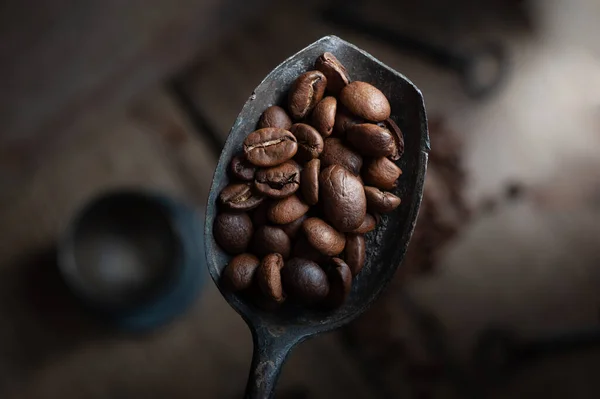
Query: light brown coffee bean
pixel 304 281
pixel 310 181
pixel 335 152
pixel 240 197
pixel 381 173
pixel 365 101
pixel 275 116
pixel 323 116
pixel 367 225
pixel 340 283
pixel 398 138
pixel 239 273
pixel 269 277
pixel 270 146
pixel 343 197
pixel 310 142
pixel 292 228
pixel 306 92
pixel 323 237
pixel 355 252
pixel 380 201
pixel 279 181
pixel 344 120
pixel 233 232
pixel 286 210
pixel 332 68
pixel 241 169
pixel 371 140
pixel 270 239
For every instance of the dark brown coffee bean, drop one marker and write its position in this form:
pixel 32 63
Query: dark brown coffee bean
pixel 398 138
pixel 233 232
pixel 270 239
pixel 335 152
pixel 305 93
pixel 241 169
pixel 344 120
pixel 340 283
pixel 259 215
pixel 303 249
pixel 365 101
pixel 310 142
pixel 292 228
pixel 381 173
pixel 367 225
pixel 355 252
pixel 310 181
pixel 343 198
pixel 380 201
pixel 305 281
pixel 270 146
pixel 371 140
pixel 279 181
pixel 240 197
pixel 286 210
pixel 323 116
pixel 269 277
pixel 275 116
pixel 323 237
pixel 332 68
pixel 239 273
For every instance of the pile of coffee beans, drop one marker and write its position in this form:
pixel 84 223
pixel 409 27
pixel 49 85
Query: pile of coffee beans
pixel 310 183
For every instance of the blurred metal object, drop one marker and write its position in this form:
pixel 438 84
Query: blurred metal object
pixel 134 258
pixel 481 70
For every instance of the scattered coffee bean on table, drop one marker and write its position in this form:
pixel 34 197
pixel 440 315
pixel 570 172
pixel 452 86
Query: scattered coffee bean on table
pixel 309 183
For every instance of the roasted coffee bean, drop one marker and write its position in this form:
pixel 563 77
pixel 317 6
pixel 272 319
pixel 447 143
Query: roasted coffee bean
pixel 334 71
pixel 241 169
pixel 310 142
pixel 367 225
pixel 292 228
pixel 381 173
pixel 371 140
pixel 270 239
pixel 365 101
pixel 343 197
pixel 305 281
pixel 380 201
pixel 275 116
pixel 398 138
pixel 239 273
pixel 343 120
pixel 240 197
pixel 269 277
pixel 279 181
pixel 233 232
pixel 286 210
pixel 323 116
pixel 270 146
pixel 310 182
pixel 340 283
pixel 355 252
pixel 335 152
pixel 305 93
pixel 323 237
pixel 303 249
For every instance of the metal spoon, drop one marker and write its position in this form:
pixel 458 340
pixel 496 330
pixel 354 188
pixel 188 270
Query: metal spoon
pixel 276 333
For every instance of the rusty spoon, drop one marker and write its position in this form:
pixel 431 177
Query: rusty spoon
pixel 276 333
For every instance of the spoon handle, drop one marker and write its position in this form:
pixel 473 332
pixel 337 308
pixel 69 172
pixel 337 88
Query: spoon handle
pixel 270 352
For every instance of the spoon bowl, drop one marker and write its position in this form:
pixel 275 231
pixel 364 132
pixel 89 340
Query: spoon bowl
pixel 276 332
